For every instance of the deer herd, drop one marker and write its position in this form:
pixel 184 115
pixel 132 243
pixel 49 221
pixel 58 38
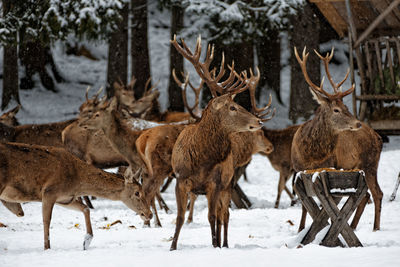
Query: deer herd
pixel 61 163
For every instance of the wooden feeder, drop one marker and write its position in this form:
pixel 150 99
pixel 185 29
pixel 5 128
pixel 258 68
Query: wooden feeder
pixel 329 186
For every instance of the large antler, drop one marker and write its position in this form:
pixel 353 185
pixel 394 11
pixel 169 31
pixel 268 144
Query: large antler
pixel 196 91
pixel 253 83
pixel 234 84
pixel 319 89
pixel 336 87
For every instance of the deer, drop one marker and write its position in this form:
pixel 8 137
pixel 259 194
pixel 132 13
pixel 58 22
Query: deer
pixel 91 145
pixel 335 138
pixel 280 157
pixel 52 175
pixel 8 118
pixel 201 157
pixel 245 144
pixel 155 146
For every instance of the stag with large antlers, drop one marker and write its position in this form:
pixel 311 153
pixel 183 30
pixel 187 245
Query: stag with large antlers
pixel 201 158
pixel 335 138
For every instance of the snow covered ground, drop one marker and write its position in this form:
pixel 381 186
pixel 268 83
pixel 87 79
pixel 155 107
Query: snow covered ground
pixel 260 236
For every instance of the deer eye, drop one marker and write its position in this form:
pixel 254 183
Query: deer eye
pixel 97 115
pixel 232 108
pixel 137 193
pixel 336 110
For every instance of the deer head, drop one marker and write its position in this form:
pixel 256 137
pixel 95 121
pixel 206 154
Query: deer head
pixel 133 197
pixel 331 108
pixel 126 98
pixel 230 116
pixel 8 118
pixel 90 105
pixel 102 118
pixel 262 143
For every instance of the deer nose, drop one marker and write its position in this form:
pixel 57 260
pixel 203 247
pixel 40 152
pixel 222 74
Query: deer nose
pixel 358 125
pixel 260 122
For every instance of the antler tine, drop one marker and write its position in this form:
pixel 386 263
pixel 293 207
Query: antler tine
pixel 302 63
pixel 87 93
pixel 270 117
pixel 146 87
pixel 336 87
pixel 98 93
pixel 253 82
pixel 326 61
pixel 183 86
pixel 239 86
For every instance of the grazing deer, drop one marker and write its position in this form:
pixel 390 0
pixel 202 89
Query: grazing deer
pixel 335 138
pixel 54 176
pixel 8 118
pixel 201 158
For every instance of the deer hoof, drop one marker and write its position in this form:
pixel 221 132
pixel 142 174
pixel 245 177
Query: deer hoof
pixel 86 241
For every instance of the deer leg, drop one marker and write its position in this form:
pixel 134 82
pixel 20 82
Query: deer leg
pixel 292 197
pixel 156 218
pixel 377 196
pixel 281 187
pixel 14 208
pixel 219 216
pixel 162 203
pixel 393 196
pixel 79 206
pixel 225 199
pixel 167 183
pixel 181 192
pixel 193 198
pixel 88 202
pixel 303 218
pixel 47 209
pixel 213 198
pixel 359 211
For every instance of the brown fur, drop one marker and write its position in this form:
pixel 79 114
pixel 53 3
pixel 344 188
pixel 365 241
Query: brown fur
pixel 54 176
pixel 203 163
pixel 280 158
pixel 155 148
pixel 335 139
pixel 8 118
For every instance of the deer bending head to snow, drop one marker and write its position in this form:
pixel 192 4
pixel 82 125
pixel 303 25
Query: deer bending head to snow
pixel 52 175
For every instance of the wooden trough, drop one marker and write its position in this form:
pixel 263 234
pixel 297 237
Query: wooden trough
pixel 329 186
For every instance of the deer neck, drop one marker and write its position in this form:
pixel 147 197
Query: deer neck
pixel 319 139
pixel 96 182
pixel 121 137
pixel 215 139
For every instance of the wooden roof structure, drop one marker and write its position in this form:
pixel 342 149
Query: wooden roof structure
pixel 383 15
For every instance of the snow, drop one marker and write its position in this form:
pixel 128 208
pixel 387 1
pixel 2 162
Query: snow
pixel 259 236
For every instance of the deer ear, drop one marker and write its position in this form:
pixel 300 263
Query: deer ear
pixel 318 96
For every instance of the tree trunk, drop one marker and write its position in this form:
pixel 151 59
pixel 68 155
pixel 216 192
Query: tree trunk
pixel 139 46
pixel 269 63
pixel 10 68
pixel 35 56
pixel 176 62
pixel 305 32
pixel 243 56
pixel 117 68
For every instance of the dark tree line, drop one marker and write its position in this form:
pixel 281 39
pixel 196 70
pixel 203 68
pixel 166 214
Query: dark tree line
pixel 262 45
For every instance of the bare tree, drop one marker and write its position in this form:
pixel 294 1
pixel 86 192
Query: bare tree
pixel 305 32
pixel 117 69
pixel 176 60
pixel 10 69
pixel 139 45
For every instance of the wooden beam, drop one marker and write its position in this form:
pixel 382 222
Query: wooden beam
pixel 376 22
pixel 332 16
